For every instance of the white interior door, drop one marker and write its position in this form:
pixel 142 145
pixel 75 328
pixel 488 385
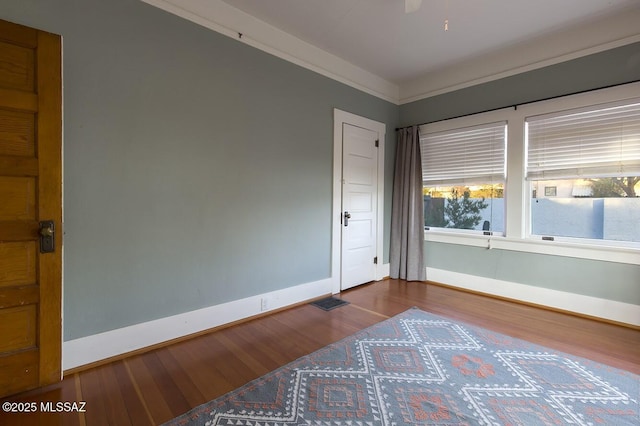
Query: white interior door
pixel 359 205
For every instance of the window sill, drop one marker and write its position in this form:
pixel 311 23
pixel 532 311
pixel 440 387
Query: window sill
pixel 601 252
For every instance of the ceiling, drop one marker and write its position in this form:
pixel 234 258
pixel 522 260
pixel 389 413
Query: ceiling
pixel 378 36
pixel 405 56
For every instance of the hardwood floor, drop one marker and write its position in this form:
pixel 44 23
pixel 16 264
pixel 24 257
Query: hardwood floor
pixel 153 387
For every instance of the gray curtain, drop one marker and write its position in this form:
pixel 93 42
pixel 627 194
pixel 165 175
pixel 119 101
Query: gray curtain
pixel 407 214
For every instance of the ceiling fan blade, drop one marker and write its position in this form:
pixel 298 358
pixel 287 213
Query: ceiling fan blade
pixel 411 6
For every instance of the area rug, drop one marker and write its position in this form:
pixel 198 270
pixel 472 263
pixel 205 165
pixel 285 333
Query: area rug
pixel 419 368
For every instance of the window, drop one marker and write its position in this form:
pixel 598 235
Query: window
pixel 559 177
pixel 463 173
pixel 586 163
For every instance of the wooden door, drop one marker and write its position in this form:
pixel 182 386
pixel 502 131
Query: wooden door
pixel 360 205
pixel 30 192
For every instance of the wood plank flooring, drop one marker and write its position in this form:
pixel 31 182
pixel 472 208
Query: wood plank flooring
pixel 151 388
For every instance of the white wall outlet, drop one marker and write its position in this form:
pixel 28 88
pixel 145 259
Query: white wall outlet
pixel 264 304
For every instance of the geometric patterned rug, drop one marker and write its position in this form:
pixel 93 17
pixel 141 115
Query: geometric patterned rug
pixel 419 368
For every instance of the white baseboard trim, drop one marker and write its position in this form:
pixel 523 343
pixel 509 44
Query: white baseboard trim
pixel 97 347
pixel 586 305
pixel 383 271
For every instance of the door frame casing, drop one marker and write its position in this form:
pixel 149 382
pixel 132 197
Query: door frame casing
pixel 339 119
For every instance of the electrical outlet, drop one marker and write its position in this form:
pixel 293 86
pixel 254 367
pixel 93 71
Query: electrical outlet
pixel 264 304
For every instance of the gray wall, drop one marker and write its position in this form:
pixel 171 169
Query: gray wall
pixel 197 170
pixel 611 67
pixel 174 134
pixel 607 280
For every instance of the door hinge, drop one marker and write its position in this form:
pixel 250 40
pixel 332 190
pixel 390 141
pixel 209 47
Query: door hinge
pixel 377 143
pixel 375 260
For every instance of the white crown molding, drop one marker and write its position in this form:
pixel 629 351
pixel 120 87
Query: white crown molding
pixel 529 55
pixel 532 54
pixel 227 20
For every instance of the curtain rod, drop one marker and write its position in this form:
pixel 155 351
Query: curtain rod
pixel 515 107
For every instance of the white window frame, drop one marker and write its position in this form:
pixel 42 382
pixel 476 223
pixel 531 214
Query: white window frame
pixel 517 200
pixel 463 172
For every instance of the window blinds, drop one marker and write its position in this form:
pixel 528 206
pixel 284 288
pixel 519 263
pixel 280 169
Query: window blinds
pixel 470 155
pixel 601 141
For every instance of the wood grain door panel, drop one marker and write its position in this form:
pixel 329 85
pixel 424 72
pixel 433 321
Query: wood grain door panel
pixel 30 192
pixel 17 263
pixel 18 133
pixel 18 67
pixel 18 195
pixel 18 328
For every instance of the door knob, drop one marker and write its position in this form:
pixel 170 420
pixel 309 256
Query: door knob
pixel 347 216
pixel 46 231
pixel 47 236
